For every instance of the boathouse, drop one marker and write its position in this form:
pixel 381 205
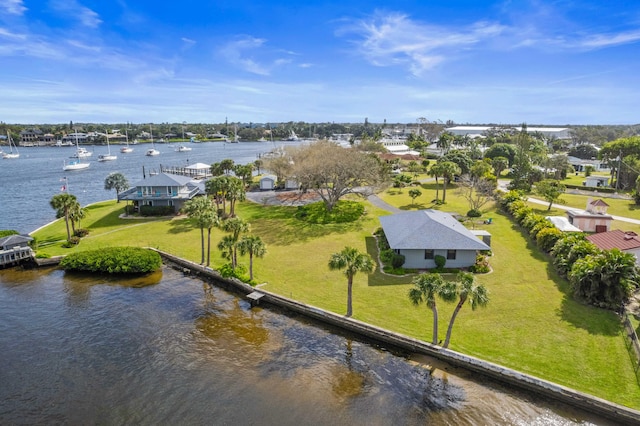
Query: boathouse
pixel 15 249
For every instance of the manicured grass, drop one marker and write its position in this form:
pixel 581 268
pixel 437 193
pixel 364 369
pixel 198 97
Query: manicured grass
pixel 532 323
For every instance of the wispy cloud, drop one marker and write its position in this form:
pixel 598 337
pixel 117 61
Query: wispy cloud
pixel 13 7
pixel 607 40
pixel 395 39
pixel 86 16
pixel 239 53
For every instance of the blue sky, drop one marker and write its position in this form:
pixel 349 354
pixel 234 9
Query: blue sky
pixel 507 62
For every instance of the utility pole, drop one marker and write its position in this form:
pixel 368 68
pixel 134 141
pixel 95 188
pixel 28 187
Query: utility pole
pixel 619 165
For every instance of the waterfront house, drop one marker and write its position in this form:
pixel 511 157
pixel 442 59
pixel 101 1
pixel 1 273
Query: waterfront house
pixel 163 189
pixel 423 234
pixel 628 242
pixel 593 219
pixel 15 249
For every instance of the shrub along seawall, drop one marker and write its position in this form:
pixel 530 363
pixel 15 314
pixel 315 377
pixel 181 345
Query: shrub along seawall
pixel 618 413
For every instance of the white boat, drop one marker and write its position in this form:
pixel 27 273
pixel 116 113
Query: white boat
pixel 10 155
pixel 108 156
pixel 126 149
pixel 292 136
pixel 183 148
pixel 74 165
pixel 81 153
pixel 152 151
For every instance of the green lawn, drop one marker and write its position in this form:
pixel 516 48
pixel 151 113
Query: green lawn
pixel 532 324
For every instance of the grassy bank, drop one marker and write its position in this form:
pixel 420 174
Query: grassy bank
pixel 532 324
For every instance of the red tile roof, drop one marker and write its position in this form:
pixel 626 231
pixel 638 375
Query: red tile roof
pixel 615 239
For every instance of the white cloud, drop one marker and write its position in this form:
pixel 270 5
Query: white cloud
pixel 395 39
pixel 245 52
pixel 607 40
pixel 72 8
pixel 13 7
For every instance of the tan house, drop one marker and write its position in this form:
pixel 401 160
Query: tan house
pixel 593 219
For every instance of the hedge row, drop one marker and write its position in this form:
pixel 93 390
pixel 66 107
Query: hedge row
pixel 113 260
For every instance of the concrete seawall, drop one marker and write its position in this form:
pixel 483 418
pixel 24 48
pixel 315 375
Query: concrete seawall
pixel 618 413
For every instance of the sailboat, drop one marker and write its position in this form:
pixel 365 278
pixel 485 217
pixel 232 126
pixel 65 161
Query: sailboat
pixel 182 147
pixel 126 149
pixel 9 155
pixel 75 164
pixel 235 135
pixel 108 156
pixel 152 151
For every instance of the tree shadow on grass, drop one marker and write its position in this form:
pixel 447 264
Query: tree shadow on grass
pixel 594 320
pixel 414 206
pixel 181 226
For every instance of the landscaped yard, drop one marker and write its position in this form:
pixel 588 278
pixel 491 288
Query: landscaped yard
pixel 532 323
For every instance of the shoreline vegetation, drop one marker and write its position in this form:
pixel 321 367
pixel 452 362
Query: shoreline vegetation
pixel 532 325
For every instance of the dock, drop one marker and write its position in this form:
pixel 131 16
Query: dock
pixel 254 298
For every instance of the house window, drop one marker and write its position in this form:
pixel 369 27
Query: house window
pixel 171 203
pixel 429 254
pixel 451 255
pixel 169 190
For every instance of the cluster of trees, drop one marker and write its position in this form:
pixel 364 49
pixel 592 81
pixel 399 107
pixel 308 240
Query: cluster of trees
pixel 623 156
pixel 604 278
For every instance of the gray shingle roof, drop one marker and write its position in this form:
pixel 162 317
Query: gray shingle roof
pixel 164 179
pixel 428 229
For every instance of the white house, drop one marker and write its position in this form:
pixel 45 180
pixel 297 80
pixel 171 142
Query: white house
pixel 628 242
pixel 423 234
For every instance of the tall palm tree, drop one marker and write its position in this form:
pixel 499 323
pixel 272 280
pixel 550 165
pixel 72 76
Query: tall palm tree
pixel 426 288
pixel 436 171
pixel 63 203
pixel 468 290
pixel 254 246
pixel 352 261
pixel 208 220
pixel 235 226
pixel 202 210
pixel 449 170
pixel 76 214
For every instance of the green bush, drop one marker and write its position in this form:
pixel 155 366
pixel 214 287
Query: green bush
pixel 546 238
pixel 113 260
pixel 240 272
pixel 481 266
pixel 157 210
pixel 7 232
pixel 386 256
pixel 440 261
pixel 474 213
pixel 81 233
pixel 397 261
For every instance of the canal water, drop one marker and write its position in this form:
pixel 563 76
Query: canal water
pixel 171 349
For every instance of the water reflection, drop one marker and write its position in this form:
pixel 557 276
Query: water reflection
pixel 170 349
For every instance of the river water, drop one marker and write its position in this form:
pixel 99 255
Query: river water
pixel 28 183
pixel 170 349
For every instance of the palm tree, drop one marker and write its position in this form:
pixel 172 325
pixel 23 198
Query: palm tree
pixel 254 246
pixel 236 226
pixel 208 220
pixel 468 290
pixel 352 261
pixel 449 170
pixel 116 181
pixel 63 203
pixel 203 211
pixel 226 246
pixel 76 214
pixel 436 171
pixel 426 288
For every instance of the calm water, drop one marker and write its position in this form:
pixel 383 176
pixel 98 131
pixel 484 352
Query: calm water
pixel 28 183
pixel 169 349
